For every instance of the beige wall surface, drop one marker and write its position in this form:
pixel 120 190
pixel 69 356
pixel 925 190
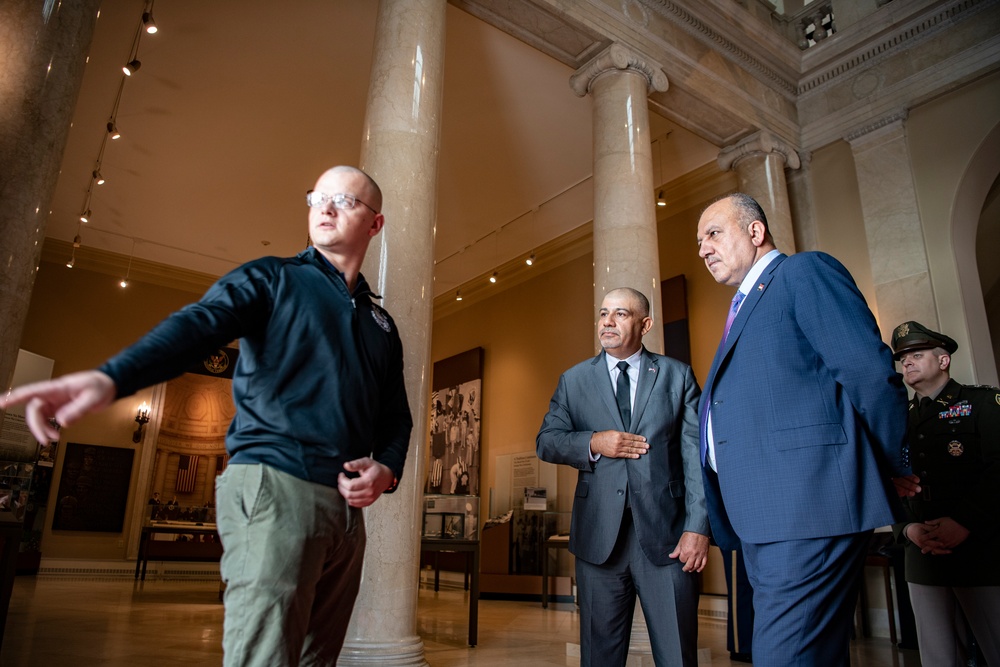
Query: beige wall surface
pixel 708 301
pixel 944 136
pixel 531 333
pixel 79 318
pixel 840 226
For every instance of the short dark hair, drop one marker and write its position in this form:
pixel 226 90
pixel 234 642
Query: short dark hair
pixel 747 210
pixel 639 297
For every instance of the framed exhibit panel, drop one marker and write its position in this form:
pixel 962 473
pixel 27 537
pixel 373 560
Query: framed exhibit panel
pixel 455 425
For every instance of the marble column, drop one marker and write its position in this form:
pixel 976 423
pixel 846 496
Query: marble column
pixel 802 203
pixel 900 271
pixel 760 161
pixel 44 47
pixel 211 470
pixel 625 247
pixel 160 473
pixel 400 151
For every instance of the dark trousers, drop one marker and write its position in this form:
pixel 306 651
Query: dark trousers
pixel 805 592
pixel 607 594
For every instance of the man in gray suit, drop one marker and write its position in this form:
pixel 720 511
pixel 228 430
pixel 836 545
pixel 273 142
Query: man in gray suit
pixel 628 421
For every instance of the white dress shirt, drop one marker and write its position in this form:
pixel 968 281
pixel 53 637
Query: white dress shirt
pixel 748 283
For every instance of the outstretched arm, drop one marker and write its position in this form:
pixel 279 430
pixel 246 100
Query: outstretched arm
pixel 65 399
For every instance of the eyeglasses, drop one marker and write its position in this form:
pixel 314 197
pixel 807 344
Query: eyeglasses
pixel 341 201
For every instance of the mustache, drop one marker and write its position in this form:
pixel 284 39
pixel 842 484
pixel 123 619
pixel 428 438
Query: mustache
pixel 605 330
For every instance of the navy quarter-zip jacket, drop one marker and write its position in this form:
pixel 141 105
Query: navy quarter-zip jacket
pixel 319 379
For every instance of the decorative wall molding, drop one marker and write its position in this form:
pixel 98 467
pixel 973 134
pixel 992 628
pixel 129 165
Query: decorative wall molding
pixel 55 251
pixel 905 36
pixel 618 57
pixel 877 124
pixel 692 25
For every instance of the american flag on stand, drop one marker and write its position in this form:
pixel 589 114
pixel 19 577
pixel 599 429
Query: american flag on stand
pixel 187 472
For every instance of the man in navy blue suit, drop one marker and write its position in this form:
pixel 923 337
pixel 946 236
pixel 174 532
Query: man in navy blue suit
pixel 802 430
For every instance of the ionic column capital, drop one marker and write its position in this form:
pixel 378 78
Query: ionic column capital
pixel 618 57
pixel 761 143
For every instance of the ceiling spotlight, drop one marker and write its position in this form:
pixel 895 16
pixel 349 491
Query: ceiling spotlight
pixel 530 260
pixel 132 67
pixel 458 295
pixel 660 199
pixel 71 263
pixel 128 271
pixel 149 23
pixel 493 278
pixel 98 178
pixel 85 216
pixel 76 242
pixel 113 130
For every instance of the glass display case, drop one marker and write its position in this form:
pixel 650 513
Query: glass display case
pixel 451 517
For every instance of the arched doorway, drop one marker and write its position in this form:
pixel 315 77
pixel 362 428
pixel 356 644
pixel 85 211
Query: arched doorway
pixel 976 236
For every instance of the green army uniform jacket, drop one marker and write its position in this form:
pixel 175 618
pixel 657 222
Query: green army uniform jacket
pixel 955 450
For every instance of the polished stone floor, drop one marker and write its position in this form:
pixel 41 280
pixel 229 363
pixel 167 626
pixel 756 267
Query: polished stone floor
pixel 73 621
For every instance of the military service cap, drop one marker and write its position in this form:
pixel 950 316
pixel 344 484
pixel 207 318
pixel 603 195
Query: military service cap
pixel 911 335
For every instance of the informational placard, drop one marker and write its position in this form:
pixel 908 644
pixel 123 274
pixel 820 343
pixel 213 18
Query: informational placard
pixel 524 474
pixel 16 441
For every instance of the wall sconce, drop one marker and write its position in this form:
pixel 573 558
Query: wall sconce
pixel 141 418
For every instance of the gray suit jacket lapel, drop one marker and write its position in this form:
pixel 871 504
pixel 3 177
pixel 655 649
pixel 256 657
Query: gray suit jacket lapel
pixel 602 380
pixel 648 372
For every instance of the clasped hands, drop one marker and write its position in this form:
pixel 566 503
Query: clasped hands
pixel 936 536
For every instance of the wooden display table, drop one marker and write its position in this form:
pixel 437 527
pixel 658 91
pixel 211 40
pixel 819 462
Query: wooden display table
pixel 198 551
pixel 471 550
pixel 554 542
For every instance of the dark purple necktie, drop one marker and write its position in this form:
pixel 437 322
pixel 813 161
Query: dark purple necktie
pixel 703 417
pixel 733 309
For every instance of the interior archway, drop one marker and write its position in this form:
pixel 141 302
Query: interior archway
pixel 975 237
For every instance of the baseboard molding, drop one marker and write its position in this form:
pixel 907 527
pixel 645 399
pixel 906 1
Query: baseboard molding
pixel 125 569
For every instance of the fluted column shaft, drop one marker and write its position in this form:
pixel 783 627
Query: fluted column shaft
pixel 760 162
pixel 400 151
pixel 625 247
pixel 900 270
pixel 44 50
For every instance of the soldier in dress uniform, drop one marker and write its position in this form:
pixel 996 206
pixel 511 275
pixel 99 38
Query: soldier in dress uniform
pixel 952 535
